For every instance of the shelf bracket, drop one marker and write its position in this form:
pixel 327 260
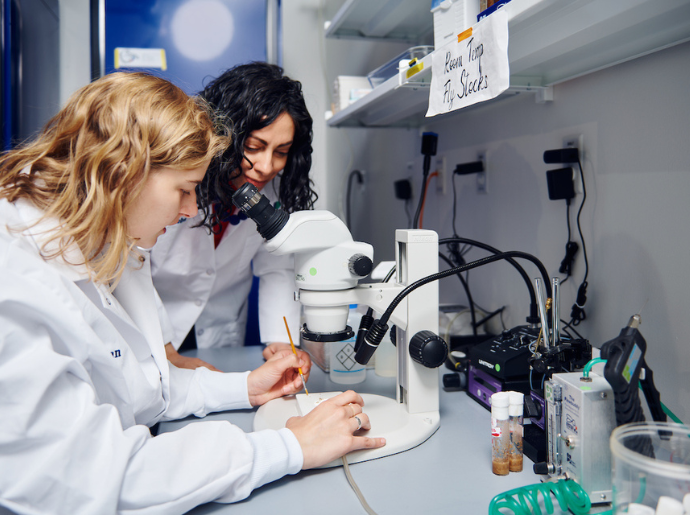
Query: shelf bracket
pixel 542 94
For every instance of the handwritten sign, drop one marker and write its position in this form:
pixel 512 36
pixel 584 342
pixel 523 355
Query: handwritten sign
pixel 473 69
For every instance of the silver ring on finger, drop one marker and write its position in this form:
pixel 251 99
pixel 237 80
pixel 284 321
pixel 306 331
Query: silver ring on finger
pixel 359 423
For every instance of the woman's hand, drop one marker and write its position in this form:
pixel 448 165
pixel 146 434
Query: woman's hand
pixel 272 348
pixel 181 361
pixel 328 431
pixel 277 377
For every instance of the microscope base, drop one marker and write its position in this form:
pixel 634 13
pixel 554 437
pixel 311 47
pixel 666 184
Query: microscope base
pixel 389 419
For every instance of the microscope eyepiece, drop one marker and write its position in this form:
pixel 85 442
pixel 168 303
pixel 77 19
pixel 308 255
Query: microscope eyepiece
pixel 269 220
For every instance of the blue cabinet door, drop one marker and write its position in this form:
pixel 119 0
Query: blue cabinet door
pixel 197 39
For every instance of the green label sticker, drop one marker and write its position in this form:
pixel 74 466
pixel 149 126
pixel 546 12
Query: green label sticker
pixel 312 271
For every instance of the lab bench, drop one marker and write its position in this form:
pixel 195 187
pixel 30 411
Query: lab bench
pixel 450 471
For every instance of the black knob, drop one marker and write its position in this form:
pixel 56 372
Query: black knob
pixel 428 349
pixel 542 468
pixel 454 381
pixel 360 265
pixel 506 335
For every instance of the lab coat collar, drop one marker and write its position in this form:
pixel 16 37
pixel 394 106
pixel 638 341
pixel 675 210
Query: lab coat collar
pixel 71 263
pixel 37 229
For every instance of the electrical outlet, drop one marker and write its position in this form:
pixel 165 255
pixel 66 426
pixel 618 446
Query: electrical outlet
pixel 482 186
pixel 441 179
pixel 577 141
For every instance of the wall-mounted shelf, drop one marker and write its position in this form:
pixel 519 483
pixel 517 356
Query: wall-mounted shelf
pixel 403 103
pixel 551 41
pixel 392 20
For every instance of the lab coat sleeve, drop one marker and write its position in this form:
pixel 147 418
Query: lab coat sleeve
pixel 276 296
pixel 201 391
pixel 69 453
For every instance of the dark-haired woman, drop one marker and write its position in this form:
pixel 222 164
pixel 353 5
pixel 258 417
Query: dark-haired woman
pixel 204 276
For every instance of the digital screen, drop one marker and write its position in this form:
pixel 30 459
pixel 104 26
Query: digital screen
pixel 631 364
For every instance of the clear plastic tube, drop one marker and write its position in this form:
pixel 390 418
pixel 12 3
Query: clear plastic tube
pixel 500 434
pixel 515 411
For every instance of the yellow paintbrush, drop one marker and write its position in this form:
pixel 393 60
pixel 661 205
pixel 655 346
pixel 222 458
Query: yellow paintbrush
pixel 295 351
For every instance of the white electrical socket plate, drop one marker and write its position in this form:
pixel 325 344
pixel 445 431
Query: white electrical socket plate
pixel 579 142
pixel 441 179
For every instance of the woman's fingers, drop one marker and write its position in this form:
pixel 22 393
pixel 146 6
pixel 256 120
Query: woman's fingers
pixel 362 422
pixel 365 442
pixel 329 430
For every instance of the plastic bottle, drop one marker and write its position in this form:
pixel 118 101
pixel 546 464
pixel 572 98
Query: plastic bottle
pixel 343 367
pixel 515 409
pixel 500 434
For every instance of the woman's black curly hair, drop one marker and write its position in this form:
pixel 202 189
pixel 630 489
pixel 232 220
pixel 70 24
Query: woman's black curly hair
pixel 247 98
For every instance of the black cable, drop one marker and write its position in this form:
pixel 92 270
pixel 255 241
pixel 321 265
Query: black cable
pixel 490 316
pixel 367 319
pixel 455 202
pixel 534 309
pixel 468 266
pixel 570 248
pixel 577 313
pixel 567 324
pixel 429 144
pixel 360 180
pixel 368 340
pixel 579 211
pixel 455 252
pixel 415 224
pixel 467 292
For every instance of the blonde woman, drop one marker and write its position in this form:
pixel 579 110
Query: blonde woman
pixel 83 370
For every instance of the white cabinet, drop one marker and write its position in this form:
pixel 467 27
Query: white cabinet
pixel 551 41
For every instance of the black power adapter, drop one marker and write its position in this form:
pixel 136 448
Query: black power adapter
pixel 560 184
pixel 403 189
pixel 562 155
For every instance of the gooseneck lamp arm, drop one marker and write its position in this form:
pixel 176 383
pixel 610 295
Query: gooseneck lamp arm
pixel 533 317
pixel 380 326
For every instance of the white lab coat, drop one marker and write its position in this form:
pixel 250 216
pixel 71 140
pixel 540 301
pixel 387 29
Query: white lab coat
pixel 83 373
pixel 207 287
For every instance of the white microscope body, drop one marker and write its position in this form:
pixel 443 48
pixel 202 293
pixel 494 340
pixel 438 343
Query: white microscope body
pixel 326 263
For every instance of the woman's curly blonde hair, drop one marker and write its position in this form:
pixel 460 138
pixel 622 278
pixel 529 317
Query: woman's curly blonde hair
pixel 93 158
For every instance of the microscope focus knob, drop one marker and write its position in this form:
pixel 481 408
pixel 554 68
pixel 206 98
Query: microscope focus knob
pixel 360 265
pixel 428 349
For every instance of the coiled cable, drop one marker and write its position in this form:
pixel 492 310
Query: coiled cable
pixel 525 500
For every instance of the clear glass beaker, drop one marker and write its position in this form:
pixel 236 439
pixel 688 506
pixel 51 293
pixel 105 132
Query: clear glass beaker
pixel 650 460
